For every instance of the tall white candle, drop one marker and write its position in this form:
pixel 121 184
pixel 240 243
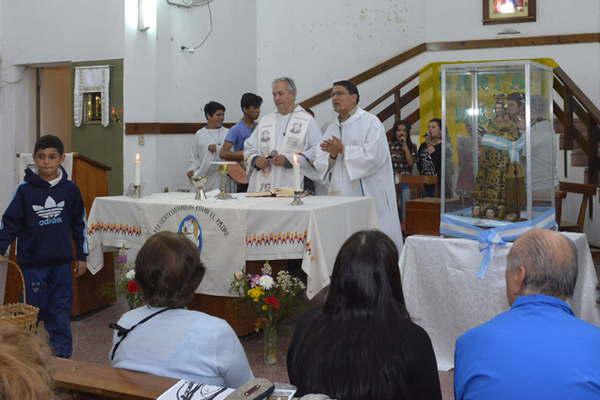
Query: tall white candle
pixel 297 186
pixel 137 169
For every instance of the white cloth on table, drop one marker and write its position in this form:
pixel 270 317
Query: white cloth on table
pixel 364 169
pixel 281 177
pixel 182 344
pixel 201 158
pixel 271 227
pixel 444 296
pixel 218 231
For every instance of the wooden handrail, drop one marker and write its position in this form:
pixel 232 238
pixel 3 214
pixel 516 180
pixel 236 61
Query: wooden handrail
pixel 458 45
pixel 515 42
pixel 368 74
pixel 576 102
pixel 398 104
pixel 391 91
pixel 578 94
pixel 164 128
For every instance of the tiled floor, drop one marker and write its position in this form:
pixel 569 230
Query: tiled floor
pixel 92 340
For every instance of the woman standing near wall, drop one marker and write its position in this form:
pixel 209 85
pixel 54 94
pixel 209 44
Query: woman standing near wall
pixel 404 153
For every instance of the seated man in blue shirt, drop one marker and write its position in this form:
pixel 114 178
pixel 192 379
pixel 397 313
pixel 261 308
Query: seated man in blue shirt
pixel 538 349
pixel 233 148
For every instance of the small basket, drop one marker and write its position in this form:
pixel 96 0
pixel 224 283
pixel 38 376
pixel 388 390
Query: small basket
pixel 23 315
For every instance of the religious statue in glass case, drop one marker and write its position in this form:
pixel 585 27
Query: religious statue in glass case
pixel 497 118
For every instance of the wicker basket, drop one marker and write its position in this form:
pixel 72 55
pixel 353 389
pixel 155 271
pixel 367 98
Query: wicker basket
pixel 21 314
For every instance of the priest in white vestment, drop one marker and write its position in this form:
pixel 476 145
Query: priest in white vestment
pixel 354 158
pixel 207 145
pixel 269 151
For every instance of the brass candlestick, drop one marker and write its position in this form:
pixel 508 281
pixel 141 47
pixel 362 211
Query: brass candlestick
pixel 223 167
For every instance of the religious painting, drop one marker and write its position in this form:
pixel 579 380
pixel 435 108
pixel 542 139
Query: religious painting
pixel 508 11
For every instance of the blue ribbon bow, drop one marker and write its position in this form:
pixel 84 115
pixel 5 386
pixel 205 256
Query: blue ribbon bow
pixel 488 239
pixel 514 148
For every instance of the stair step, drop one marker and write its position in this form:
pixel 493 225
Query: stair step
pixel 559 129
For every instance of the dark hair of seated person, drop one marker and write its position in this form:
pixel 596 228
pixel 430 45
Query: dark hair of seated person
pixel 362 344
pixel 168 270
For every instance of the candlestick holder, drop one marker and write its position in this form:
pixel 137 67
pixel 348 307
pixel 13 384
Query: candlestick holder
pixel 297 201
pixel 136 193
pixel 223 195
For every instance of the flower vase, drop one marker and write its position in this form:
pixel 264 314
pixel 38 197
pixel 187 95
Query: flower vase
pixel 270 345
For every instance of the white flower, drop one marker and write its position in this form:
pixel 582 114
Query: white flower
pixel 266 269
pixel 239 275
pixel 266 282
pixel 130 274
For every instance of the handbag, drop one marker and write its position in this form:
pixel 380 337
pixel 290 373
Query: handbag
pixel 254 389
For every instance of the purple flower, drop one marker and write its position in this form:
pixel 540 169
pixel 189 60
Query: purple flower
pixel 121 259
pixel 254 280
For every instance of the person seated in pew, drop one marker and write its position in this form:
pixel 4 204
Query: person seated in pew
pixel 24 359
pixel 163 337
pixel 538 349
pixel 362 344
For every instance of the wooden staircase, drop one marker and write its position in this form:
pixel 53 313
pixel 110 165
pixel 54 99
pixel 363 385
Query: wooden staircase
pixel 578 119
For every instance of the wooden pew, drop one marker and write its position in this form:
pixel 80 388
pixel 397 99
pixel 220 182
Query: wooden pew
pixel 106 381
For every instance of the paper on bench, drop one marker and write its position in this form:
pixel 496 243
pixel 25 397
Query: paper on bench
pixel 186 390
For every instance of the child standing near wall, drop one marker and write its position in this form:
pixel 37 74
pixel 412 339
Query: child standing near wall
pixel 45 215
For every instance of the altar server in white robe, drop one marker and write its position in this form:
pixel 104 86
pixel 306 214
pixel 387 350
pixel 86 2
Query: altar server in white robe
pixel 207 146
pixel 269 151
pixel 354 158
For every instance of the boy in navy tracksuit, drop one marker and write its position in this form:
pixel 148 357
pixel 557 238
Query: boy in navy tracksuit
pixel 45 215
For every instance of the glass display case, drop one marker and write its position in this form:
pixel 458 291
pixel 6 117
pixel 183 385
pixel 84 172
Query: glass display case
pixel 499 165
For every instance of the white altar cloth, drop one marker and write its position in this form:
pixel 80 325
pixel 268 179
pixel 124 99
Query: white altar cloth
pixel 444 296
pixel 258 229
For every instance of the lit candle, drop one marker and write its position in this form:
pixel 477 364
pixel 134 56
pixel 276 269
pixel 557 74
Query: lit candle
pixel 137 170
pixel 297 186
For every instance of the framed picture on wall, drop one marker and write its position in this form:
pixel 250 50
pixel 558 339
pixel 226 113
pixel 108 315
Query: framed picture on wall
pixel 508 11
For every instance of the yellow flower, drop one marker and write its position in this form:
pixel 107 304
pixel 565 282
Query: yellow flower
pixel 265 307
pixel 256 293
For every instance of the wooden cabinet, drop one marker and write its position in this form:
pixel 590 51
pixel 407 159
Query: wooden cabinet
pixel 423 216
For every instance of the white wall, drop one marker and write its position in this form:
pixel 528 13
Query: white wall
pixel 164 84
pixel 461 19
pixel 318 42
pixel 43 32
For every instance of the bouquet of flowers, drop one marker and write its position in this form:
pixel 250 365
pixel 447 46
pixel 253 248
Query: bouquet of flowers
pixel 272 299
pixel 126 283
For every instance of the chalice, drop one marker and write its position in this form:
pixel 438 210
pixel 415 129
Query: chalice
pixel 199 182
pixel 223 167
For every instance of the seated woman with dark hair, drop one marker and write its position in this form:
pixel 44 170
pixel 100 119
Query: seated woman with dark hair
pixel 362 344
pixel 165 339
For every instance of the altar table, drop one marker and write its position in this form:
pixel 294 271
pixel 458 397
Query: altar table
pixel 230 232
